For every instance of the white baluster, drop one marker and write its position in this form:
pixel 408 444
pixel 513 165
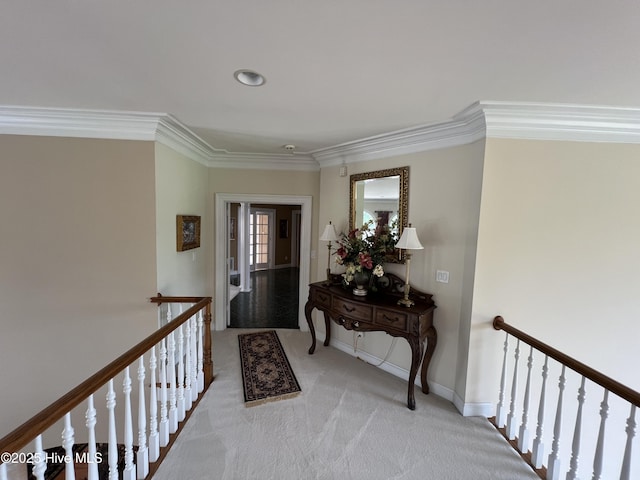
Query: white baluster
pixel 164 420
pixel 194 358
pixel 40 459
pixel 142 455
pixel 188 401
pixel 3 471
pixel 92 461
pixel 511 418
pixel 67 443
pixel 154 438
pixel 113 438
pixel 625 472
pixel 180 400
pixel 200 354
pixel 171 367
pixel 169 313
pixel 523 437
pixel 599 455
pixel 577 432
pixel 538 447
pixel 129 472
pixel 553 467
pixel 501 412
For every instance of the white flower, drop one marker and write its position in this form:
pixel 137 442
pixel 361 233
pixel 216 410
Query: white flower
pixel 378 271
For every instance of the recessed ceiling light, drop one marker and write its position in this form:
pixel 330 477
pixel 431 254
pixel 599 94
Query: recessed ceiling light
pixel 249 78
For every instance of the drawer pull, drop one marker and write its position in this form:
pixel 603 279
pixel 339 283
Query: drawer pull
pixel 356 324
pixel 389 319
pixel 348 309
pixel 341 320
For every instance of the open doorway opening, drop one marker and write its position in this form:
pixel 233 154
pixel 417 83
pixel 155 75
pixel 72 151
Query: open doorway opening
pixel 291 264
pixel 272 299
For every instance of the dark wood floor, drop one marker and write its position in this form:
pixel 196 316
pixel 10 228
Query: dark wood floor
pixel 272 302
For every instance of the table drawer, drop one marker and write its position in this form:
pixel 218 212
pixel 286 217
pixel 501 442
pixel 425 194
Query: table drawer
pixel 391 318
pixel 352 309
pixel 322 298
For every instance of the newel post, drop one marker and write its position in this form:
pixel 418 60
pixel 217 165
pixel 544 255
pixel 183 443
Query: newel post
pixel 208 361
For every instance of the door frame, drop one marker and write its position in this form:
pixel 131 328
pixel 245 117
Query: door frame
pixel 221 295
pixel 295 229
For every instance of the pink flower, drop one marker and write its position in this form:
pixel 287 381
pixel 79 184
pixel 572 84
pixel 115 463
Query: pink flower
pixel 365 261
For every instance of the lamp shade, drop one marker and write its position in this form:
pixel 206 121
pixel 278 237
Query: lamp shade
pixel 409 240
pixel 329 234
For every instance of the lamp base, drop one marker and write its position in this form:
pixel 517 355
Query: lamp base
pixel 406 302
pixel 327 282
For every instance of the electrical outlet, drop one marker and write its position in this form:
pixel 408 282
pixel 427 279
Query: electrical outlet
pixel 442 276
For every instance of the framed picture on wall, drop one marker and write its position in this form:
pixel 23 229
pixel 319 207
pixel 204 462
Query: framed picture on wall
pixel 232 228
pixel 284 228
pixel 187 232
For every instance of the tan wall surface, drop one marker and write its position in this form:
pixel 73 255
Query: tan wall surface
pixel 181 186
pixel 77 263
pixel 444 193
pixel 558 255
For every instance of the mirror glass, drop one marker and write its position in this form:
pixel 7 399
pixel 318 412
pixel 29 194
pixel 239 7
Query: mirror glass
pixel 381 197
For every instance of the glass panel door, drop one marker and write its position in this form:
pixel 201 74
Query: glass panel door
pixel 260 227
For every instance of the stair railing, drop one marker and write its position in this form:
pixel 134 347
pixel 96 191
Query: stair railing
pixel 517 425
pixel 173 369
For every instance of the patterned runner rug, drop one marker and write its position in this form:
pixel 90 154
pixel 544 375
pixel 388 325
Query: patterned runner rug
pixel 266 372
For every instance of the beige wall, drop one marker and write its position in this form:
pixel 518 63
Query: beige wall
pixel 444 193
pixel 267 182
pixel 77 263
pixel 543 233
pixel 558 255
pixel 181 186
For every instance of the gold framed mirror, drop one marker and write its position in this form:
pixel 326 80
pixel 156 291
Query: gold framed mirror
pixel 380 196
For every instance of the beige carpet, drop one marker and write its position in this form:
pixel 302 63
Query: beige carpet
pixel 350 422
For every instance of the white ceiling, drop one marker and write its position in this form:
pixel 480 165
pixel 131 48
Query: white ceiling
pixel 337 70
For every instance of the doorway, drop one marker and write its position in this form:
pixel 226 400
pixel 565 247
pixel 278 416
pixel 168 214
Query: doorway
pixel 221 303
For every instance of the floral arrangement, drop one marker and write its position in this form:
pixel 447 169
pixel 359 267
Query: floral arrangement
pixel 364 250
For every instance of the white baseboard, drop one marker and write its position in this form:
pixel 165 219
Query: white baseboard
pixel 485 410
pixel 467 410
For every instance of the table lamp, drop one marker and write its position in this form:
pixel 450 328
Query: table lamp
pixel 329 235
pixel 408 241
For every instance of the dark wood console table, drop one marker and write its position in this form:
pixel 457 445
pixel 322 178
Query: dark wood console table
pixel 379 312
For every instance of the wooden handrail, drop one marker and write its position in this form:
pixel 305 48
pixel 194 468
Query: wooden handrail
pixel 26 432
pixel 601 379
pixel 160 299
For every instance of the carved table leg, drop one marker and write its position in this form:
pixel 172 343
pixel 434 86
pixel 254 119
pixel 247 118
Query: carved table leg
pixel 327 328
pixel 308 308
pixel 432 340
pixel 416 356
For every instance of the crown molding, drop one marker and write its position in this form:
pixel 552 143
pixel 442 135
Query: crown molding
pixel 483 119
pixel 554 121
pixel 62 122
pixel 145 126
pixel 174 134
pixel 486 119
pixel 264 161
pixel 459 131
